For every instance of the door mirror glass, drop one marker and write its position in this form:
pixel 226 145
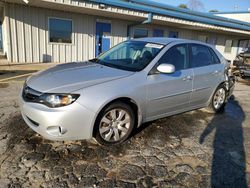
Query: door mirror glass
pixel 166 68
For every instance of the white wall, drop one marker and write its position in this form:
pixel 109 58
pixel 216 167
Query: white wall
pixel 245 17
pixel 27 39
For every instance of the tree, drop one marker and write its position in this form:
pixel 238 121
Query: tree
pixel 183 6
pixel 214 10
pixel 195 5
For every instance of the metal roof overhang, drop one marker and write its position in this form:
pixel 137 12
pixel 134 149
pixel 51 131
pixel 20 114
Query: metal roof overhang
pixel 135 12
pixel 85 8
pixel 207 19
pixel 187 11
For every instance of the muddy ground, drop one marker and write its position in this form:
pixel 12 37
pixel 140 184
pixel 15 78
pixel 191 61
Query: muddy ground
pixel 195 149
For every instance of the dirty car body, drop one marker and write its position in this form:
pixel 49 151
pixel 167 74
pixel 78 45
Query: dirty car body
pixel 158 77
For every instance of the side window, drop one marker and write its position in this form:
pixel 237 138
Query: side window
pixel 200 56
pixel 215 59
pixel 176 56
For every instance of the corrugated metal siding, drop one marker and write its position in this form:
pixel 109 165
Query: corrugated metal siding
pixel 28 35
pixel 119 30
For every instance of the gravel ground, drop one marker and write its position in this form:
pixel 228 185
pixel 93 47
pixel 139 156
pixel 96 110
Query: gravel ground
pixel 195 149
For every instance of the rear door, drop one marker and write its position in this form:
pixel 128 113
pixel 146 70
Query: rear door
pixel 170 93
pixel 208 73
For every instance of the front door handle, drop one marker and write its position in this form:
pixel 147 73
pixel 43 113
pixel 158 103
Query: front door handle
pixel 187 78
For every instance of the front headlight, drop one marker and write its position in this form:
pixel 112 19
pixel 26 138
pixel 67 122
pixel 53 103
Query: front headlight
pixel 58 100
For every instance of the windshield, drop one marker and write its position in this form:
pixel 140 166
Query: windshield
pixel 130 55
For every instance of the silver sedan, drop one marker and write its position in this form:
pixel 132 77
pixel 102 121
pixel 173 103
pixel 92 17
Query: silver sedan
pixel 134 82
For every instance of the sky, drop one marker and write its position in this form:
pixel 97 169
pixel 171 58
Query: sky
pixel 221 5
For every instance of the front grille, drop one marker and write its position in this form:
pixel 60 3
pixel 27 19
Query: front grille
pixel 30 95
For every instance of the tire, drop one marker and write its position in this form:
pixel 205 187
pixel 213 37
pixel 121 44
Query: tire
pixel 218 100
pixel 114 124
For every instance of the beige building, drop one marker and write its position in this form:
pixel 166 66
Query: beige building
pixel 242 16
pixel 78 30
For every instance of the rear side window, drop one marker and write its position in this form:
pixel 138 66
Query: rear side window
pixel 200 56
pixel 215 59
pixel 177 56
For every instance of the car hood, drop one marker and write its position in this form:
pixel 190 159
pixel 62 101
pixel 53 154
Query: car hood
pixel 70 77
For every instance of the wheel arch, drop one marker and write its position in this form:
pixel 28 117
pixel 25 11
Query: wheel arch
pixel 127 100
pixel 224 83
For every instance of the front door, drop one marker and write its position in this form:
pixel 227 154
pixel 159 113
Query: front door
pixel 103 31
pixel 170 93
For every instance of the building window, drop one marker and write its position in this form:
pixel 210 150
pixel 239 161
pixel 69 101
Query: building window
pixel 60 30
pixel 212 40
pixel 140 33
pixel 228 46
pixel 158 33
pixel 173 34
pixel 203 38
pixel 243 45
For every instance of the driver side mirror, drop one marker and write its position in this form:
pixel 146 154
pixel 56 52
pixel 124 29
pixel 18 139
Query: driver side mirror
pixel 166 68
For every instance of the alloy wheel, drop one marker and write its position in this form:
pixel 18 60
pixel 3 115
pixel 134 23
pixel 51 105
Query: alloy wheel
pixel 219 98
pixel 114 125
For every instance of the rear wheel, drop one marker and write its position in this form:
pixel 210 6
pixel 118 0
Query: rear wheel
pixel 218 101
pixel 114 124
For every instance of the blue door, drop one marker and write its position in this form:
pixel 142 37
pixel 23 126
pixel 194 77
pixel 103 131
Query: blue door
pixel 158 33
pixel 103 31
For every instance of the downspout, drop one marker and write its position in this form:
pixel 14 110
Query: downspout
pixel 147 21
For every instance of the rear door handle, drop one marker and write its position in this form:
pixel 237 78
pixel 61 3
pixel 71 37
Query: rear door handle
pixel 187 78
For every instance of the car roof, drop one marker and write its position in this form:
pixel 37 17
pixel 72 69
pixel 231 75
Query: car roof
pixel 166 40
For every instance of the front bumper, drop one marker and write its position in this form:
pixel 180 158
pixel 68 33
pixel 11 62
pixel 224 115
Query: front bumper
pixel 73 122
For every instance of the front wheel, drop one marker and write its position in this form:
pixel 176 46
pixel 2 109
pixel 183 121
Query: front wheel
pixel 114 124
pixel 218 101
